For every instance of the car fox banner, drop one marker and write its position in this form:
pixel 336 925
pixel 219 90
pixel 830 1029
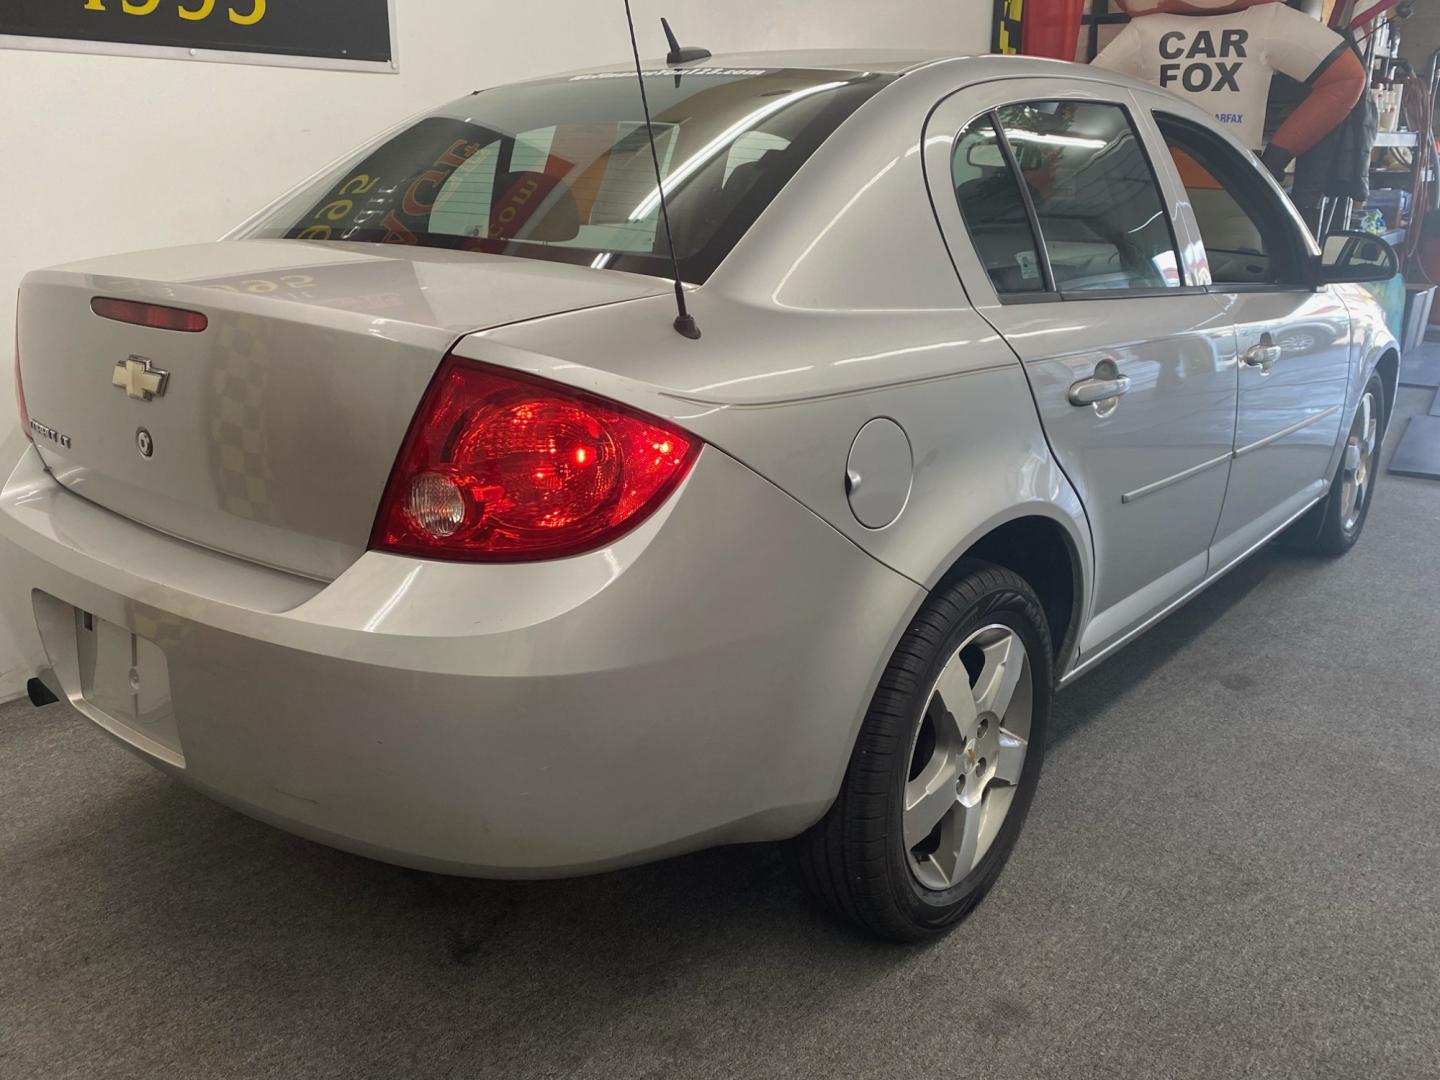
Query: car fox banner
pixel 350 34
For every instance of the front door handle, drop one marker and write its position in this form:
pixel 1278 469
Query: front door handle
pixel 1264 355
pixel 1103 389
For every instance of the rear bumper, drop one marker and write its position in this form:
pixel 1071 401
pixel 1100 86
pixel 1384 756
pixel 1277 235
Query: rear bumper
pixel 699 682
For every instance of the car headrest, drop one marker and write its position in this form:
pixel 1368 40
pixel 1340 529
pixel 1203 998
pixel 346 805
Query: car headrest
pixel 533 206
pixel 744 176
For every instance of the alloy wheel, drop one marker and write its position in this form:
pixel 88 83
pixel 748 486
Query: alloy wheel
pixel 968 755
pixel 1359 462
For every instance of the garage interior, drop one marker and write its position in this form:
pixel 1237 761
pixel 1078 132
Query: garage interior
pixel 1231 869
pixel 1246 885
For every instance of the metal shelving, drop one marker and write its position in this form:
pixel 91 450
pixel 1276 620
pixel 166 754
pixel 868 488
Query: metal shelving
pixel 1396 138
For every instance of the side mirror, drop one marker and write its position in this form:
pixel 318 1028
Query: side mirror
pixel 1357 257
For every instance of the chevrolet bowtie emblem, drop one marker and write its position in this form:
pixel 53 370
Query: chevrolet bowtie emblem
pixel 140 379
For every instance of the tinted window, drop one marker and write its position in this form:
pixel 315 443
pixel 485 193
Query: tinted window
pixel 1241 224
pixel 994 211
pixel 1101 217
pixel 560 169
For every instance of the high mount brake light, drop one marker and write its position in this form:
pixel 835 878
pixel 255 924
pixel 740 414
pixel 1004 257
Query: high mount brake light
pixel 152 315
pixel 500 466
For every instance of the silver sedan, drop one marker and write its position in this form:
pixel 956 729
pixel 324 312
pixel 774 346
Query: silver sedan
pixel 403 518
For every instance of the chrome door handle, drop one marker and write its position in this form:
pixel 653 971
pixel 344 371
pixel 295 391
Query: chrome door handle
pixel 1263 356
pixel 1098 391
pixel 1106 385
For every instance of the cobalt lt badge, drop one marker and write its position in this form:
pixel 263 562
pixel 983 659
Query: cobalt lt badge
pixel 144 443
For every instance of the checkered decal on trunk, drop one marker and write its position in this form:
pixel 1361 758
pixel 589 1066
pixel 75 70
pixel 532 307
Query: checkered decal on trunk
pixel 237 432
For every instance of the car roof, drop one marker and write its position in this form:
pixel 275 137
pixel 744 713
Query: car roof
pixel 859 61
pixel 881 61
pixel 895 62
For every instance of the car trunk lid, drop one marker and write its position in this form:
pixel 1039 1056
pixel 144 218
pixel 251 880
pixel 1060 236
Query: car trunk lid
pixel 279 423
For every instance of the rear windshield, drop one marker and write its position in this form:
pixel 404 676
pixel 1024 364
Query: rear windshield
pixel 561 169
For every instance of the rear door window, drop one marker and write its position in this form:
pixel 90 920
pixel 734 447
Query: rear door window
pixel 1086 180
pixel 994 210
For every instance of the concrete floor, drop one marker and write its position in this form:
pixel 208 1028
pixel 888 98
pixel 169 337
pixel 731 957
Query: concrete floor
pixel 1232 870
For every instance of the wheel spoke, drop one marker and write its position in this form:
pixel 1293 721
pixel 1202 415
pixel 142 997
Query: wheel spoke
pixel 997 807
pixel 1004 664
pixel 959 842
pixel 929 797
pixel 957 714
pixel 1372 434
pixel 1011 758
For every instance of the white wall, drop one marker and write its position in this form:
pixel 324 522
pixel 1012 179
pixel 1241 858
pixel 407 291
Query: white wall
pixel 101 154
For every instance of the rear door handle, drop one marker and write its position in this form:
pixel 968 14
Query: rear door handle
pixel 1107 385
pixel 1264 355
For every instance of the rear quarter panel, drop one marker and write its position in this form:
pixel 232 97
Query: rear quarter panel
pixel 980 456
pixel 839 306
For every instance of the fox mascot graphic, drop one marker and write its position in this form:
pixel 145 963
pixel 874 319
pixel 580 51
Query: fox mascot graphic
pixel 1222 54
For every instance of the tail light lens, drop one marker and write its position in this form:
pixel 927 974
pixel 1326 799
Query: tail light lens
pixel 503 467
pixel 19 387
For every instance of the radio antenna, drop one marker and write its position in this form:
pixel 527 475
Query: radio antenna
pixel 684 322
pixel 681 54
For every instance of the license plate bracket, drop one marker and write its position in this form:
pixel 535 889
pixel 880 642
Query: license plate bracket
pixel 111 675
pixel 127 678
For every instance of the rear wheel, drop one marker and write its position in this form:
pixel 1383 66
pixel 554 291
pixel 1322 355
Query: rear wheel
pixel 1336 523
pixel 945 765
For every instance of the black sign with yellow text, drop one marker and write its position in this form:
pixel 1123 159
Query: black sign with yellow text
pixel 339 30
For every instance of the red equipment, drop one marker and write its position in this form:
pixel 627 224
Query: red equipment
pixel 1052 28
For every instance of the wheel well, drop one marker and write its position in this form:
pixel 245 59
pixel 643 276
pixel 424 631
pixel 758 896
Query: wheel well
pixel 1388 368
pixel 1040 551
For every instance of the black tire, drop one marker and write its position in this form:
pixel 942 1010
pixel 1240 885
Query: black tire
pixel 1330 528
pixel 855 860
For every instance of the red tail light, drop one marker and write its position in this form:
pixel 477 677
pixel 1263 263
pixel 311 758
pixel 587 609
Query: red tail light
pixel 151 315
pixel 503 467
pixel 19 387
